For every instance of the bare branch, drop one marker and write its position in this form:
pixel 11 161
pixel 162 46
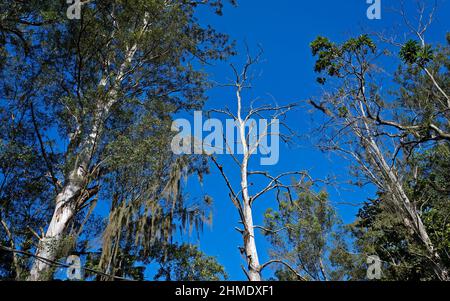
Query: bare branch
pixel 300 277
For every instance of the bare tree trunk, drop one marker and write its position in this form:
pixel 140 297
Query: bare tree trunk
pixel 68 200
pixel 63 213
pixel 412 218
pixel 251 253
pixel 414 221
pixel 243 200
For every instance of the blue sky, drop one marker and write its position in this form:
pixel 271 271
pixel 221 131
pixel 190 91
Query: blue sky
pixel 284 29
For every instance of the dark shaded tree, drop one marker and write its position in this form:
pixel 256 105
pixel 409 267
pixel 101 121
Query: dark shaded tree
pixel 98 95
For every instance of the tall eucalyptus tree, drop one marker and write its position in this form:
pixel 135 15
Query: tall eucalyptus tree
pixel 99 94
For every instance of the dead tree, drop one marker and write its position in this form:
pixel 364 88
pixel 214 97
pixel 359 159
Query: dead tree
pixel 243 197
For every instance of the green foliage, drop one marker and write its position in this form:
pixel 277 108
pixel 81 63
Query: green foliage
pixel 402 123
pixel 306 234
pixel 331 57
pixel 413 53
pixel 420 96
pixel 379 230
pixel 69 71
pixel 25 194
pixel 187 263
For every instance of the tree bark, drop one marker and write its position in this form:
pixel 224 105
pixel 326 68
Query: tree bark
pixel 251 253
pixel 67 201
pixel 62 215
pixel 393 184
pixel 65 210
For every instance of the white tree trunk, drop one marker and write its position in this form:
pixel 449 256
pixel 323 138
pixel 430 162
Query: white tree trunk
pixel 251 253
pixel 65 210
pixel 393 184
pixel 254 273
pixel 67 199
pixel 62 215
